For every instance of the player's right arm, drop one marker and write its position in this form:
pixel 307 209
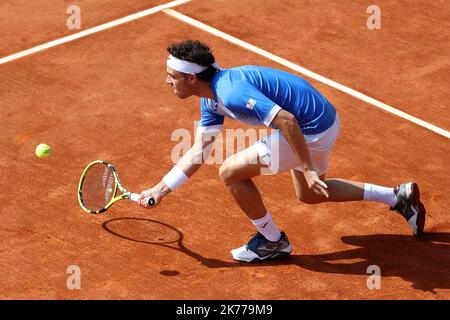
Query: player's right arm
pixel 184 169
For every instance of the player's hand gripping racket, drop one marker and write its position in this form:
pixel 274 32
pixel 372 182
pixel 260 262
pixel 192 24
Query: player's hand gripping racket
pixel 97 190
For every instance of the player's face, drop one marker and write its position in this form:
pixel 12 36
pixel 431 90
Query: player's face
pixel 180 83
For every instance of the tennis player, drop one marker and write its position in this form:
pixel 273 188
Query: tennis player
pixel 307 124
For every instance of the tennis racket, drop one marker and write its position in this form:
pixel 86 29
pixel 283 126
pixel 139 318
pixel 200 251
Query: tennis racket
pixel 97 190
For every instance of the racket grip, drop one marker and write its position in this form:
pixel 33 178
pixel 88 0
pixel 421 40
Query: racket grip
pixel 135 197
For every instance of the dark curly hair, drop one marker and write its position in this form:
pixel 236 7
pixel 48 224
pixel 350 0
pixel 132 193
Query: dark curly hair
pixel 196 52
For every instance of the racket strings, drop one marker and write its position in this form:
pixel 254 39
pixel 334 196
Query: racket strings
pixel 98 187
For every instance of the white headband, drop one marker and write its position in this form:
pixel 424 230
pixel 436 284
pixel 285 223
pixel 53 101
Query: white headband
pixel 184 66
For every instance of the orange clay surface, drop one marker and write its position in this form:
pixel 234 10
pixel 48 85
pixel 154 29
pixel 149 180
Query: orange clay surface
pixel 104 97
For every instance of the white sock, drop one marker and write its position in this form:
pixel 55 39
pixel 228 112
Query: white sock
pixel 267 228
pixel 385 195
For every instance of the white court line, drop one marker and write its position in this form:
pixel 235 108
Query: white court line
pixel 93 30
pixel 307 72
pixel 198 24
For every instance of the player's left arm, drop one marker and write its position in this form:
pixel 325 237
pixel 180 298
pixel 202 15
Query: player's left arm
pixel 184 169
pixel 210 126
pixel 289 127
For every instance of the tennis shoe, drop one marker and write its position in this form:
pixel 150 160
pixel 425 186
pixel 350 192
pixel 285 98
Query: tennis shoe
pixel 410 207
pixel 259 249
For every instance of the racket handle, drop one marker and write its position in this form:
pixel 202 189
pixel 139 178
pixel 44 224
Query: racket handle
pixel 135 198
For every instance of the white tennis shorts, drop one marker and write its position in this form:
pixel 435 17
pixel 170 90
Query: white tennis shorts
pixel 278 155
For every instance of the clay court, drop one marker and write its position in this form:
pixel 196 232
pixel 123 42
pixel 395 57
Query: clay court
pixel 103 96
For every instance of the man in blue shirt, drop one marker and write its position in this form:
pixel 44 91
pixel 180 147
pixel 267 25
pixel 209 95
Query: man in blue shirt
pixel 307 126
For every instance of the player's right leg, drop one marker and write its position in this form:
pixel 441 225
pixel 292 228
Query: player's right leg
pixel 410 207
pixel 277 154
pixel 404 198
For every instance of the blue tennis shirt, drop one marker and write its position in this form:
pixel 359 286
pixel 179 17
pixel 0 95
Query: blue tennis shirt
pixel 254 95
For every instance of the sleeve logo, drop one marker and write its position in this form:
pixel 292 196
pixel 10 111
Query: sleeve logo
pixel 250 103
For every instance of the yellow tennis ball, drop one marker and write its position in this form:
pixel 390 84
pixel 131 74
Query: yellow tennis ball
pixel 43 150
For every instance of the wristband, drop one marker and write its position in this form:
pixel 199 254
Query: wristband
pixel 175 178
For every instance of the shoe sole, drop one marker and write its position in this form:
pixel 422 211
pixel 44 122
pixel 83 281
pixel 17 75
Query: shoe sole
pixel 278 256
pixel 422 212
pixel 274 256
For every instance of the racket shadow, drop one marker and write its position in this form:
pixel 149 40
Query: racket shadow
pixel 174 241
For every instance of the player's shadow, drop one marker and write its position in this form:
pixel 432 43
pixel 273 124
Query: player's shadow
pixel 425 262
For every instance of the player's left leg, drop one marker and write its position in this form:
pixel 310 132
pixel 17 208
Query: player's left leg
pixel 236 172
pixel 269 242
